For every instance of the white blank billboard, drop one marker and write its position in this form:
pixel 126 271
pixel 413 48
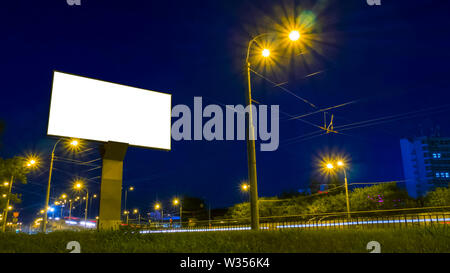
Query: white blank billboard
pixel 91 109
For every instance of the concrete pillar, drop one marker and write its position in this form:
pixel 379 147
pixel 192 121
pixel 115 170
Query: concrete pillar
pixel 113 154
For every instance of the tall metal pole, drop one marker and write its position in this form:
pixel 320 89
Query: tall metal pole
pixel 86 209
pixel 181 214
pixel 346 194
pixel 251 154
pixel 47 197
pixel 5 213
pixel 70 209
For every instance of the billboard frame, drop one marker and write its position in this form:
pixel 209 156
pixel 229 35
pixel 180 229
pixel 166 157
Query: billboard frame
pixel 99 141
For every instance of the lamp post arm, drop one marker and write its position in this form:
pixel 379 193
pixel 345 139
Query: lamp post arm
pixel 254 39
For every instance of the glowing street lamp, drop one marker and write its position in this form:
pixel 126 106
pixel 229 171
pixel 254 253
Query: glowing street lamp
pixel 79 186
pixel 159 207
pixel 130 188
pixel 126 212
pixel 341 164
pixel 136 211
pixel 294 35
pixel 251 153
pixel 73 144
pixel 177 202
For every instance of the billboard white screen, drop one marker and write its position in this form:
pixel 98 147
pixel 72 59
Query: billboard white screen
pixel 91 109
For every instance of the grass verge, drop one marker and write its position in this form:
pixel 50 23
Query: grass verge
pixel 408 240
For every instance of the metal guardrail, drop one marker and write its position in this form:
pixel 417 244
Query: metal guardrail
pixel 328 222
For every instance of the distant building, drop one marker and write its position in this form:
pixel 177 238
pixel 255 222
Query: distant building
pixel 426 164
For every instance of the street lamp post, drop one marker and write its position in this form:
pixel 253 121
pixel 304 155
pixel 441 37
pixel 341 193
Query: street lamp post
pixel 251 153
pixel 90 202
pixel 176 202
pixel 126 213
pixel 70 209
pixel 131 188
pixel 79 186
pixel 158 207
pixel 47 197
pixel 136 211
pixel 86 209
pixel 342 165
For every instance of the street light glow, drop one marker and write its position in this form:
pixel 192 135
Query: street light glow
pixel 294 35
pixel 157 206
pixel 176 201
pixel 245 187
pixel 340 163
pixel 266 52
pixel 330 166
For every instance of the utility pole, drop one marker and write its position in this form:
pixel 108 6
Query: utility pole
pixel 86 209
pixel 70 209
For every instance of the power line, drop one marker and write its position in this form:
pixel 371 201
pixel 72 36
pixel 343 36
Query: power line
pixel 284 89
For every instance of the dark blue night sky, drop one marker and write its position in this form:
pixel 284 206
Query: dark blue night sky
pixel 390 59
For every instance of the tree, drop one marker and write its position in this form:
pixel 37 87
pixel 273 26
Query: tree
pixel 194 207
pixel 438 197
pixel 12 167
pixel 381 196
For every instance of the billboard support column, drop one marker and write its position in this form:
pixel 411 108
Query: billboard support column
pixel 113 154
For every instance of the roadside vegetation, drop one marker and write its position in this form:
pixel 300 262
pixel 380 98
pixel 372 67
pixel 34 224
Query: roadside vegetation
pixel 432 239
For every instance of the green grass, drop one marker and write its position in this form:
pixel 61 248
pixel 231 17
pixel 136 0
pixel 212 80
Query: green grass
pixel 416 240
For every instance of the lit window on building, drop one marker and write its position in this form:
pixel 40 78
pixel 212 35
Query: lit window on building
pixel 438 175
pixel 442 175
pixel 434 155
pixel 447 175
